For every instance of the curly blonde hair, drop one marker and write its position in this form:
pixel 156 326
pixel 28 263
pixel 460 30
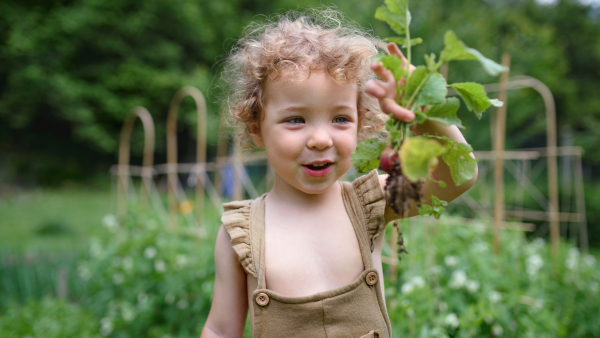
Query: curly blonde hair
pixel 295 44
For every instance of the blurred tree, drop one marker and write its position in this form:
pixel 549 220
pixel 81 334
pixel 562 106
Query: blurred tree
pixel 71 70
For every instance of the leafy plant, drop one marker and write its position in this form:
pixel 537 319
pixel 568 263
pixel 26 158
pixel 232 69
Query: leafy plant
pixel 48 318
pixel 410 160
pixel 146 281
pixel 453 285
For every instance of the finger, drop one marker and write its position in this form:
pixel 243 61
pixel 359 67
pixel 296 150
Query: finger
pixel 377 89
pixel 394 49
pixel 390 106
pixel 384 73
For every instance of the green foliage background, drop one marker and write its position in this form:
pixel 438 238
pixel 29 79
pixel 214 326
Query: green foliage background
pixel 70 70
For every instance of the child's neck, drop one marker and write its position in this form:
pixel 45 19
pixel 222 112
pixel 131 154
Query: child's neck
pixel 284 194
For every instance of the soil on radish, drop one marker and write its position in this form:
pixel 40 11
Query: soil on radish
pixel 399 192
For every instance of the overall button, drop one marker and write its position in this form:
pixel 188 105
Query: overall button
pixel 262 299
pixel 372 278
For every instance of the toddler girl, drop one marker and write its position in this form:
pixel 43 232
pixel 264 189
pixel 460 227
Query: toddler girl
pixel 305 258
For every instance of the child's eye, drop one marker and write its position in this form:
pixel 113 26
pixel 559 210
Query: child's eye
pixel 295 120
pixel 341 119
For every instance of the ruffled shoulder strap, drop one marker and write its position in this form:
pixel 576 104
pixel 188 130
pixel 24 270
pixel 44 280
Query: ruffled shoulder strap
pixel 236 220
pixel 371 196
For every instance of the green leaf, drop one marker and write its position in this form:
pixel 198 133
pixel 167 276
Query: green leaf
pixel 426 210
pixel 430 62
pixel 496 103
pixel 366 156
pixel 437 211
pixel 417 76
pixel 433 92
pixel 474 96
pixel 445 113
pixel 462 166
pixel 396 21
pixel 491 67
pixel 420 117
pixel 419 157
pixel 393 63
pixel 455 50
pixel 397 6
pixel 400 41
pixel 437 201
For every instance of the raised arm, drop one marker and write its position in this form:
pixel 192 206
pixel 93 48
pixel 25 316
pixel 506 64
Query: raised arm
pixel 385 91
pixel 229 308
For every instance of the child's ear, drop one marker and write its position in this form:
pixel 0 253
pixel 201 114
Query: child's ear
pixel 256 136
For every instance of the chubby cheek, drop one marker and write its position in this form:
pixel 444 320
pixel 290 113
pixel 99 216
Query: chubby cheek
pixel 350 142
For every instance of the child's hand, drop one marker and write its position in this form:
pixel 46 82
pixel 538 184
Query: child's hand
pixel 386 90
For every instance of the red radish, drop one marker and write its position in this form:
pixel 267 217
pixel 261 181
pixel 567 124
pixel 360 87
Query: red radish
pixel 387 159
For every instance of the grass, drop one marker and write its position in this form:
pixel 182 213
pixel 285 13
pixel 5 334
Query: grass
pixel 51 220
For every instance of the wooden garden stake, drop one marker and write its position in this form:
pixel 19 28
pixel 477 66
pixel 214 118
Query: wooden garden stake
pixel 172 152
pixel 499 132
pixel 124 154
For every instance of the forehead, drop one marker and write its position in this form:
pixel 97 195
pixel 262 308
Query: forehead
pixel 318 89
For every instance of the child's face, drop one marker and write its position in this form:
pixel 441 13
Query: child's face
pixel 307 122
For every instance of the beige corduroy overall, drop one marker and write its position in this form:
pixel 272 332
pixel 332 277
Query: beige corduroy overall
pixel 356 310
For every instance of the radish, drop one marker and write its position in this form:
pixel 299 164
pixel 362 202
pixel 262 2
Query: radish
pixel 388 157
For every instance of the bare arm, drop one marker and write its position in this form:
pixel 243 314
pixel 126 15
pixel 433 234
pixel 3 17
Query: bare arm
pixel 229 308
pixel 441 173
pixel 385 91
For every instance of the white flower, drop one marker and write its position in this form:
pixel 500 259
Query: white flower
pixel 533 264
pixel 436 269
pixel 84 272
pixel 472 286
pixel 572 259
pixel 594 287
pixel 451 261
pixel 150 252
pixel 169 298
pixel 443 307
pixel 127 263
pixel 495 296
pixel 538 304
pixel 182 304
pixel 127 313
pixel 481 247
pixel 489 320
pixel 118 278
pixel 497 330
pixel 418 281
pixel 142 299
pixel 407 288
pixel 451 320
pixel 106 326
pixel 160 266
pixel 110 222
pixel 458 279
pixel 589 261
pixel 181 261
pixel 95 249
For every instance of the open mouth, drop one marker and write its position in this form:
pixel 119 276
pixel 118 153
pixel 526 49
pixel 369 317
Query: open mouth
pixel 318 167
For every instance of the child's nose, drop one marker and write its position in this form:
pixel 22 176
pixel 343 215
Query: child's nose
pixel 319 139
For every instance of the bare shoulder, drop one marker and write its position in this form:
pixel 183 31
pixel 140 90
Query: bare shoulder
pixel 383 180
pixel 229 308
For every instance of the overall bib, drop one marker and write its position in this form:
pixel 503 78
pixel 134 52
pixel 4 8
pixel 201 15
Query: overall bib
pixel 356 310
